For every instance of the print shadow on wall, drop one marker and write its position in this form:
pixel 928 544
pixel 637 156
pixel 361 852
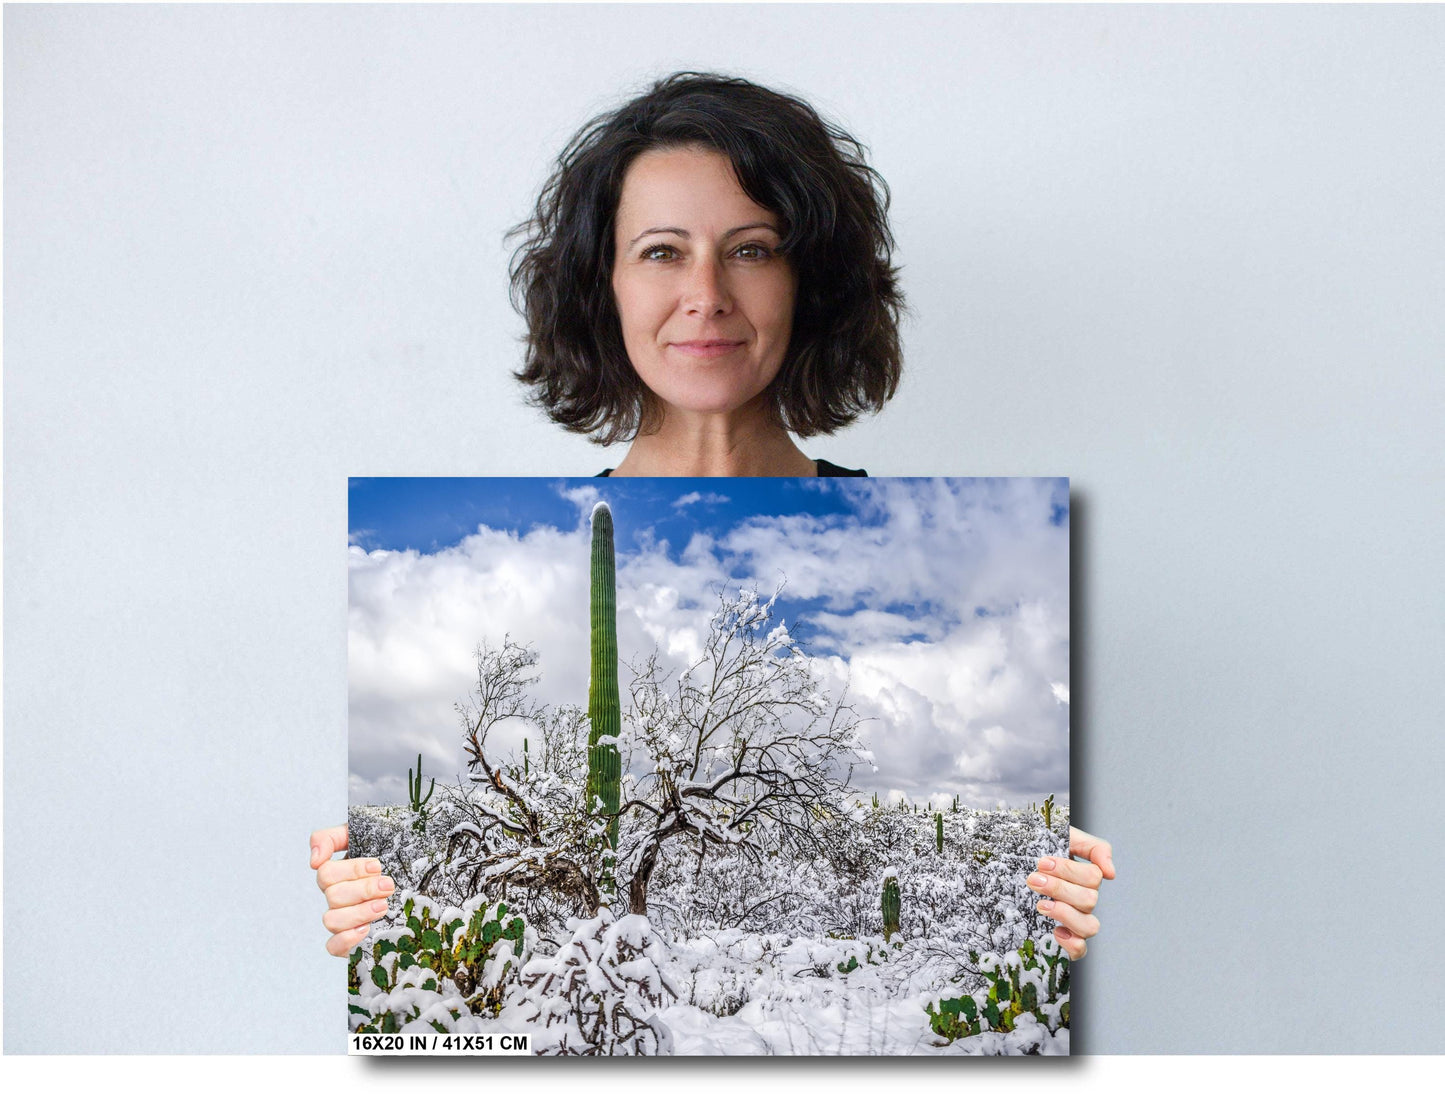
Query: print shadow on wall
pixel 711 766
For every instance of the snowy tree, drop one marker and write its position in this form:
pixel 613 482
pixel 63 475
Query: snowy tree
pixel 527 823
pixel 741 754
pixel 744 752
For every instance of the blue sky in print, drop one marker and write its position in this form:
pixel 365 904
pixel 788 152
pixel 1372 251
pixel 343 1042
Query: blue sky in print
pixel 940 604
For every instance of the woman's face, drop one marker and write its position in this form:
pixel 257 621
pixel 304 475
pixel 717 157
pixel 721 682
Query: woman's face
pixel 705 300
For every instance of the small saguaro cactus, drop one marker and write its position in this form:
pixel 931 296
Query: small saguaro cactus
pixel 1048 812
pixel 413 790
pixel 891 905
pixel 526 762
pixel 955 802
pixel 938 828
pixel 875 799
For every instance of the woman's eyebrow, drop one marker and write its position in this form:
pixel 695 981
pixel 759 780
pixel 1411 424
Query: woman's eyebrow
pixel 660 229
pixel 682 233
pixel 752 225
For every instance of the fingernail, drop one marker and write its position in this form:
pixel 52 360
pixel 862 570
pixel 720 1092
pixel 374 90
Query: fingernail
pixel 1046 864
pixel 1038 880
pixel 1063 934
pixel 378 906
pixel 386 884
pixel 1046 904
pixel 373 866
pixel 315 854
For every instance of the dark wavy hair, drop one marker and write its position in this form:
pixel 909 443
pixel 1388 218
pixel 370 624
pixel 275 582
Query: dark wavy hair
pixel 844 355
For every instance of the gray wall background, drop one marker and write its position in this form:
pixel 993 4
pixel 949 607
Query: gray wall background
pixel 1193 258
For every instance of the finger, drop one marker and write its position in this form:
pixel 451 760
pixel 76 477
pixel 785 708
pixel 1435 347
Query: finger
pixel 342 918
pixel 1072 870
pixel 342 944
pixel 326 842
pixel 1084 925
pixel 1082 899
pixel 334 871
pixel 1070 942
pixel 350 892
pixel 1093 849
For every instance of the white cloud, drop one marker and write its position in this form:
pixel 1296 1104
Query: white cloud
pixel 697 496
pixel 585 498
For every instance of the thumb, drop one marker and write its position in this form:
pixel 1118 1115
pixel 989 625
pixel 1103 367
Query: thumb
pixel 325 842
pixel 1098 852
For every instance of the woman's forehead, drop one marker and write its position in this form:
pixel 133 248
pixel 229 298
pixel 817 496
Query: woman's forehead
pixel 676 186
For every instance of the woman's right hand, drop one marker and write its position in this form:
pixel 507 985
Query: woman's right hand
pixel 355 890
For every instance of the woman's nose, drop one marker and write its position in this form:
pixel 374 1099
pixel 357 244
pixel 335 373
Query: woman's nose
pixel 707 292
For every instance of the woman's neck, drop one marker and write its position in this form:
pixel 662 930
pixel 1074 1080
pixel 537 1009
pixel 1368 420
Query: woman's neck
pixel 706 445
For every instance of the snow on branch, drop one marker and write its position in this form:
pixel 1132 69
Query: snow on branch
pixel 742 751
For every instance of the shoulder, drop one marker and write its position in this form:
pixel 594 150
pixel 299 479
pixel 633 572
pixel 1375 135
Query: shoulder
pixel 832 470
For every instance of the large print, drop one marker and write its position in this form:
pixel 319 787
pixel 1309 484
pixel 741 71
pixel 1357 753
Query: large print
pixel 711 766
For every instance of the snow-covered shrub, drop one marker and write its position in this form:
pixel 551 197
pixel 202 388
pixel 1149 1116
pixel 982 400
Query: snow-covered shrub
pixel 732 890
pixel 601 992
pixel 526 823
pixel 1026 987
pixel 436 966
pixel 861 951
pixel 403 840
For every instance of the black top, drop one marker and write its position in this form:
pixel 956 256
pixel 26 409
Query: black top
pixel 825 470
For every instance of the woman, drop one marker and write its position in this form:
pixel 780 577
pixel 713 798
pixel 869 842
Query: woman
pixel 706 276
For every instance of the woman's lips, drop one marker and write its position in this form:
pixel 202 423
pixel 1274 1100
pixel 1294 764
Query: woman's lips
pixel 706 349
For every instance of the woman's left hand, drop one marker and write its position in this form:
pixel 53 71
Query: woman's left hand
pixel 1071 889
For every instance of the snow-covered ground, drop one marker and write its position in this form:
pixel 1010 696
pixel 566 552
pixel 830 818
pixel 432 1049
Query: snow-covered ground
pixel 736 957
pixel 796 1001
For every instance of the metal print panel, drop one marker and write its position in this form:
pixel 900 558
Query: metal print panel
pixel 709 766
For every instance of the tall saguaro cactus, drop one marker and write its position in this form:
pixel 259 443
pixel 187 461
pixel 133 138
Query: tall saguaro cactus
pixel 604 701
pixel 938 822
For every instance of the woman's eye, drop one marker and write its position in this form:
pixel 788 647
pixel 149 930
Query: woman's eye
pixel 754 252
pixel 659 253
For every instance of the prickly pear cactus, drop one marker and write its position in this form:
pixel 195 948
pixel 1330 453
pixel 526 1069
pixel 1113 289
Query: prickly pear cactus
pixel 442 966
pixel 1032 981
